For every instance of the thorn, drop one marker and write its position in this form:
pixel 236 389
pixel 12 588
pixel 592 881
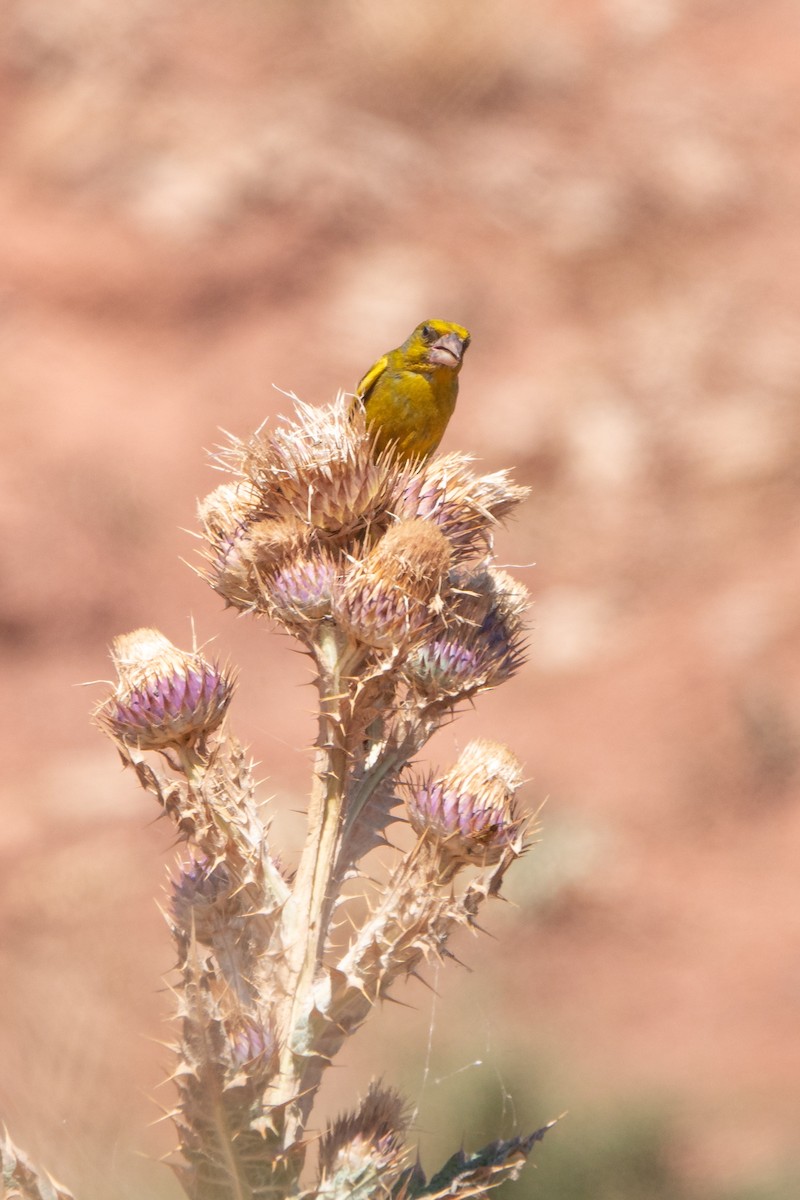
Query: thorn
pixel 425 984
pixel 400 1003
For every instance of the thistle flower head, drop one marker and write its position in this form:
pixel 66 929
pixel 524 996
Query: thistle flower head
pixel 244 548
pixel 320 469
pixel 226 508
pixel 225 515
pixel 198 889
pixel 448 666
pixel 470 812
pixel 301 588
pixel 164 696
pixel 252 1043
pixel 482 641
pixel 465 506
pixel 389 596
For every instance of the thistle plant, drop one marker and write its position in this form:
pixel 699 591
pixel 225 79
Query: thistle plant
pixel 382 570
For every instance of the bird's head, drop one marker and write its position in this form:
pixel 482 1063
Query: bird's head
pixel 438 344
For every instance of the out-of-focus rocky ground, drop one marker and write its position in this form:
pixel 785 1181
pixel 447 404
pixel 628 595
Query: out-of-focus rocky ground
pixel 200 200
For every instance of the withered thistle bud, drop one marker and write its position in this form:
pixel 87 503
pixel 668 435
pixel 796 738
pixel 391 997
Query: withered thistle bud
pixel 228 507
pixel 225 515
pixel 470 812
pixel 165 696
pixel 465 506
pixel 390 596
pixel 364 1145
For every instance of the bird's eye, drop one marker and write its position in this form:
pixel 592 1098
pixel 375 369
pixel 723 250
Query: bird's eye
pixel 428 332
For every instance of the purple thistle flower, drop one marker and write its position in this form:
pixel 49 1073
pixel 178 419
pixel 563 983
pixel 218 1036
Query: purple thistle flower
pixel 482 644
pixel 470 811
pixel 446 665
pixel 302 588
pixel 199 882
pixel 465 506
pixel 165 696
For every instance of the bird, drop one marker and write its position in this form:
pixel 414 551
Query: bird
pixel 408 396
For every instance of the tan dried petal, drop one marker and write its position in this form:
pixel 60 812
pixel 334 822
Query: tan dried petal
pixel 489 767
pixel 274 542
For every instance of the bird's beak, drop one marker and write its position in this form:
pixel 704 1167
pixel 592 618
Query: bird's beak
pixel 447 351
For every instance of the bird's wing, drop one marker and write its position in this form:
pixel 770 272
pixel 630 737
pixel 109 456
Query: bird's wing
pixel 371 378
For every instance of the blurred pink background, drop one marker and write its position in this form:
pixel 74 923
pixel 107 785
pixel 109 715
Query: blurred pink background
pixel 202 200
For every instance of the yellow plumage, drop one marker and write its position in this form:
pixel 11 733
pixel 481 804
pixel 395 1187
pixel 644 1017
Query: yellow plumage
pixel 409 395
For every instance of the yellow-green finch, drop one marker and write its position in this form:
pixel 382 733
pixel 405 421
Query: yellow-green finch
pixel 409 395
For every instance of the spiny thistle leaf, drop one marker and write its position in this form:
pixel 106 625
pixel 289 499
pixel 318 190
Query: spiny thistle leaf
pixel 20 1180
pixel 475 1174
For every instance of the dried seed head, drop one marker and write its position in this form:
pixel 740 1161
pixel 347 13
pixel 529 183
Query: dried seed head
pixel 319 469
pixel 482 643
pixel 274 542
pixel 470 812
pixel 464 506
pixel 165 696
pixel 389 596
pixel 365 1144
